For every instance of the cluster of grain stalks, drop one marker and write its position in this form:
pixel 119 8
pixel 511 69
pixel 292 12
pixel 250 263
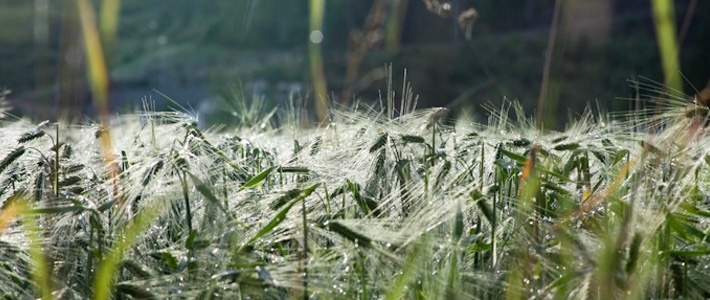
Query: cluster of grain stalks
pixel 370 206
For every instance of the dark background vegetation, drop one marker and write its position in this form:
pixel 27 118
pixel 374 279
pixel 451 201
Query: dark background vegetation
pixel 201 52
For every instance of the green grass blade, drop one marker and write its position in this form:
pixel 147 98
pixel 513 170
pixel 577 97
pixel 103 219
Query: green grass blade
pixel 110 10
pixel 458 224
pixel 150 173
pixel 352 235
pixel 15 206
pixel 479 199
pixel 293 169
pixel 520 159
pixel 134 291
pixel 41 273
pixel 664 20
pixel 285 198
pixel 207 193
pixel 409 271
pixel 257 179
pixel 109 266
pixel 57 209
pixel 281 215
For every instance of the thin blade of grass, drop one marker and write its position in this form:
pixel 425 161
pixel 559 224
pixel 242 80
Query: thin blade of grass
pixel 257 179
pixel 108 26
pixel 134 291
pixel 350 234
pixel 99 82
pixel 486 210
pixel 664 20
pixel 56 210
pixel 150 173
pixel 409 271
pixel 281 215
pixel 108 267
pixel 207 193
pixel 18 205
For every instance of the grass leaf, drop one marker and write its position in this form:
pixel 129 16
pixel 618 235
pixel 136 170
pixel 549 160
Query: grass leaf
pixel 134 291
pixel 207 193
pixel 280 216
pixel 352 235
pixel 106 270
pixel 150 173
pixel 257 179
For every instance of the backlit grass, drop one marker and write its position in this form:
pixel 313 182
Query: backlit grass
pixel 379 203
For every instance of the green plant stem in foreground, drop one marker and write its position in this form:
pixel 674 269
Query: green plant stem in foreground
pixel 106 271
pixel 664 20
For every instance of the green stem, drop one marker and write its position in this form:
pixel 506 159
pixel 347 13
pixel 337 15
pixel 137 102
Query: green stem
pixel 664 20
pixel 186 196
pixel 327 200
pixel 305 249
pixel 56 162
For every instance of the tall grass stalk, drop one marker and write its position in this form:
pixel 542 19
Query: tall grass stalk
pixel 545 83
pixel 315 56
pixel 304 255
pixel 664 21
pixel 99 80
pixel 108 24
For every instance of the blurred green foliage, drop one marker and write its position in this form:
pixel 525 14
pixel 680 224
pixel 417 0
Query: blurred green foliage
pixel 203 46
